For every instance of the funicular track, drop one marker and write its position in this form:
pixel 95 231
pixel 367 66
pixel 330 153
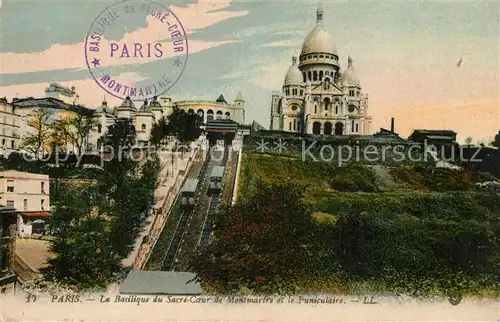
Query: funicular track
pixel 176 242
pixel 213 207
pixel 182 224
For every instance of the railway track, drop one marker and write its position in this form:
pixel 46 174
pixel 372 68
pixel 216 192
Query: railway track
pixel 175 246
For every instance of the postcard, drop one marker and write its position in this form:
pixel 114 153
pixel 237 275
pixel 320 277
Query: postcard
pixel 227 160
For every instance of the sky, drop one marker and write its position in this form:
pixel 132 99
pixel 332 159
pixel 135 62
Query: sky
pixel 405 54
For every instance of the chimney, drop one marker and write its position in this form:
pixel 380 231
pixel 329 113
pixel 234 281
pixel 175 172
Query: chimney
pixel 392 124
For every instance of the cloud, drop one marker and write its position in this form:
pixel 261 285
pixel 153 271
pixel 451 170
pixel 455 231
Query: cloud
pixel 90 94
pixel 284 43
pixel 59 56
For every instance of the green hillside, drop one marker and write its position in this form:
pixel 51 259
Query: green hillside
pixel 308 226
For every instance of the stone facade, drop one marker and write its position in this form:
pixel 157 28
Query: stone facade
pixel 317 97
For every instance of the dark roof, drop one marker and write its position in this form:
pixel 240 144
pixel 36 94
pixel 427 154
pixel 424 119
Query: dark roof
pixel 221 99
pixel 160 282
pixel 446 132
pixel 50 102
pixel 5 209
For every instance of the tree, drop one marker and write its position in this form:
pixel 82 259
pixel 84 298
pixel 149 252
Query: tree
pixel 76 130
pixel 185 126
pixel 468 141
pixel 160 131
pixel 261 244
pixel 84 256
pixel 496 141
pixel 34 142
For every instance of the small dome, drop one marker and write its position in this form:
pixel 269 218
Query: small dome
pixel 127 103
pixel 154 104
pixel 104 108
pixel 319 40
pixel 349 77
pixel 239 97
pixel 145 107
pixel 293 75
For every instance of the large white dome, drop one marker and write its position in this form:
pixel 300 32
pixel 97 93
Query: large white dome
pixel 293 75
pixel 319 40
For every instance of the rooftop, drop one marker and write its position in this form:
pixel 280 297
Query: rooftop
pixel 160 282
pixel 49 102
pixel 217 171
pixel 190 185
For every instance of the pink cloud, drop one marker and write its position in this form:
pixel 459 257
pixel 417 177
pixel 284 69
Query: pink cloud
pixel 90 94
pixel 59 56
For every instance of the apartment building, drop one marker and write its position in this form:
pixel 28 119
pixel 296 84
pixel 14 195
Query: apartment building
pixel 27 193
pixel 9 128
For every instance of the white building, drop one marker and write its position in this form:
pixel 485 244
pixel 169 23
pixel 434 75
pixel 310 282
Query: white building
pixel 317 97
pixel 9 128
pixel 65 94
pixel 29 194
pixel 149 113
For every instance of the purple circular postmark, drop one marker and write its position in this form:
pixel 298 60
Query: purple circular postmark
pixel 136 49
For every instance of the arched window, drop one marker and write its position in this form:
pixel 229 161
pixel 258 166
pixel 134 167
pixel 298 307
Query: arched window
pixel 304 76
pixel 328 128
pixel 309 75
pixel 320 75
pixel 315 75
pixel 290 126
pixel 316 128
pixel 143 127
pixel 219 115
pixel 315 108
pixel 327 103
pixel 210 115
pixel 99 128
pixel 294 124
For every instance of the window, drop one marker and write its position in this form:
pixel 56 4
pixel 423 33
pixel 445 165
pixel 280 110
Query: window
pixel 290 126
pixel 309 75
pixel 42 202
pixel 99 128
pixel 301 92
pixel 321 56
pixel 315 75
pixel 42 187
pixel 304 76
pixel 10 203
pixel 357 127
pixel 12 144
pixel 10 185
pixel 143 127
pixel 320 75
pixel 25 204
pixel 3 142
pixel 352 125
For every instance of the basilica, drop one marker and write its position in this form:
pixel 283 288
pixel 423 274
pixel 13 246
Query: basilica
pixel 317 97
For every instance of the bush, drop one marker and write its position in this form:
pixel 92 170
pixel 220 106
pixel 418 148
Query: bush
pixel 353 177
